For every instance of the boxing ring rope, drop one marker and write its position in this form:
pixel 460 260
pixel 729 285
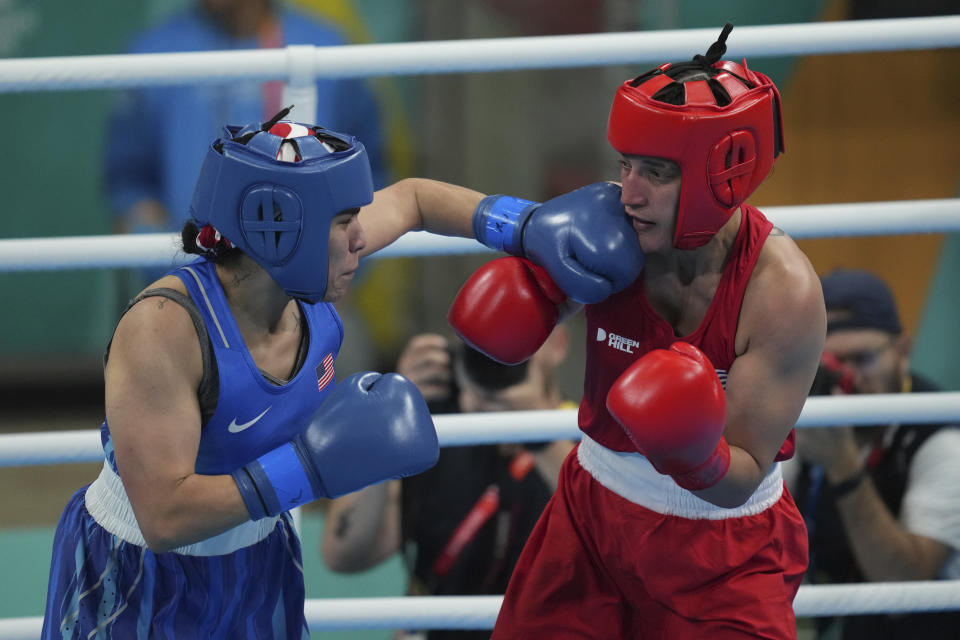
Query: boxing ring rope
pixel 21 449
pixel 299 65
pixel 480 612
pixel 162 249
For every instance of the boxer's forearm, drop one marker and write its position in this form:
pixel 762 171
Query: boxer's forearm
pixel 417 204
pixel 362 529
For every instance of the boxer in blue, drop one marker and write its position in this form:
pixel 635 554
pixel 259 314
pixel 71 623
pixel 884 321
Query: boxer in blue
pixel 221 408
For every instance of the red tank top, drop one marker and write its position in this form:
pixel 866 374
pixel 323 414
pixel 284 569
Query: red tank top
pixel 624 327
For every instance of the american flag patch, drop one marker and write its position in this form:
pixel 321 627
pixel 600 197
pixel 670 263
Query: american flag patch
pixel 722 374
pixel 325 372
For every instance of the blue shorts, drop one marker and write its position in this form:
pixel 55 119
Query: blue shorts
pixel 103 587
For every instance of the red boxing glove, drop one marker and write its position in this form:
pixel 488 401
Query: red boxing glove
pixel 507 309
pixel 672 406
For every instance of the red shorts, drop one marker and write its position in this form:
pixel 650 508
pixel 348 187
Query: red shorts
pixel 600 566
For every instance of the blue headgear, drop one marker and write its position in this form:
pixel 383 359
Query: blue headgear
pixel 278 212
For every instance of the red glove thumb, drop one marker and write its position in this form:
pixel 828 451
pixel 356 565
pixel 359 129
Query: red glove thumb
pixel 671 405
pixel 507 309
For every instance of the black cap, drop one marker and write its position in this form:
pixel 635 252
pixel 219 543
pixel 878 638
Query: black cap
pixel 858 299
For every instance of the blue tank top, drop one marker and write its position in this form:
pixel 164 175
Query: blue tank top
pixel 253 415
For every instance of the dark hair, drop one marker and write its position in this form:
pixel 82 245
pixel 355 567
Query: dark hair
pixel 221 254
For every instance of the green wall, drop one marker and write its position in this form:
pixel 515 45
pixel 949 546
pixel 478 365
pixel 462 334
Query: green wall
pixel 51 180
pixel 935 350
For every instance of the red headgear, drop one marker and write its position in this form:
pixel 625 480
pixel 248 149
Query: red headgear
pixel 724 133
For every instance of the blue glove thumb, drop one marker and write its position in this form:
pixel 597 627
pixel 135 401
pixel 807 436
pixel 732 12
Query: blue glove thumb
pixel 585 241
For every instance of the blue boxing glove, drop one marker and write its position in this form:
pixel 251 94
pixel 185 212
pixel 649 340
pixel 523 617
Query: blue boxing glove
pixel 583 238
pixel 371 428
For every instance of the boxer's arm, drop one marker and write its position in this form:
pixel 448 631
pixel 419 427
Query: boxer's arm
pixel 779 340
pixel 152 376
pixel 362 529
pixel 889 546
pixel 417 204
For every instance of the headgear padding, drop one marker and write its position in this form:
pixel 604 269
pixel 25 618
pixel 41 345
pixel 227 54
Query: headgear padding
pixel 276 211
pixel 725 133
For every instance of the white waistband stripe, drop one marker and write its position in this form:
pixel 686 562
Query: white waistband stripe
pixel 632 477
pixel 107 502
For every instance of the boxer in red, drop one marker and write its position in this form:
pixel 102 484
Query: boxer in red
pixel 671 519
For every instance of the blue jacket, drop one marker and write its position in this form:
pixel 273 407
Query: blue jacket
pixel 158 135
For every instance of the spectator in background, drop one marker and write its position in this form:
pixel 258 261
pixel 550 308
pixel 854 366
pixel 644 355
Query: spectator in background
pixel 158 133
pixel 881 503
pixel 462 524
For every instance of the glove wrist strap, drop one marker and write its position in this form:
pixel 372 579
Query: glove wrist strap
pixel 250 494
pixel 498 222
pixel 709 473
pixel 275 482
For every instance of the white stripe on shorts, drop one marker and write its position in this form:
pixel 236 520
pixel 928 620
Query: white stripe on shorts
pixel 632 477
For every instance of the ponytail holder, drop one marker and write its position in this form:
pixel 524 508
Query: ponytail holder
pixel 208 238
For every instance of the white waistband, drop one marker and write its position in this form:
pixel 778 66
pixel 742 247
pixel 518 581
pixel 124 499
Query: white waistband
pixel 632 477
pixel 107 502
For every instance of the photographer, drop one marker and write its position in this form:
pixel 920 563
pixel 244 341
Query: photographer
pixel 462 524
pixel 881 503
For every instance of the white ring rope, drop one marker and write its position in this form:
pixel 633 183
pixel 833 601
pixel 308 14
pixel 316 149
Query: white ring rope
pixel 114 71
pixel 877 597
pixel 23 449
pixel 480 612
pixel 162 249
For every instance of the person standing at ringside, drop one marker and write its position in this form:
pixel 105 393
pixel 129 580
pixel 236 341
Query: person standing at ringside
pixel 222 412
pixel 881 503
pixel 671 519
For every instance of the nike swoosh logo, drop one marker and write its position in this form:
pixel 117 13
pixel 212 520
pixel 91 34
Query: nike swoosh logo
pixel 237 428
